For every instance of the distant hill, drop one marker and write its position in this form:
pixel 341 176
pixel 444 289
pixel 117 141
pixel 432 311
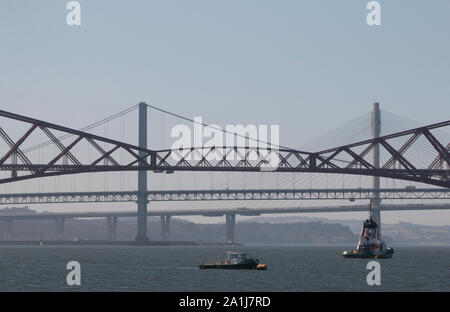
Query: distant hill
pixel 400 233
pixel 182 230
pixel 267 233
pixel 407 233
pixel 17 210
pixel 259 230
pixel 354 224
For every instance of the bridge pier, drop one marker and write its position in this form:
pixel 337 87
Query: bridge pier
pixel 60 221
pixel 230 227
pixel 142 178
pixel 8 233
pixel 112 227
pixel 165 227
pixel 376 200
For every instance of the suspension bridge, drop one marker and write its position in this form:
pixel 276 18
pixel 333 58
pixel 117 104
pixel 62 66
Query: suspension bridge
pixel 416 155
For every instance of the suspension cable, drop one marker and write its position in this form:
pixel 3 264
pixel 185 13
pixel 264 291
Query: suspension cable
pixel 219 129
pixel 87 128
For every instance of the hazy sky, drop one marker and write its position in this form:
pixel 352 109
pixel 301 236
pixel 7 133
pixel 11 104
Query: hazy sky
pixel 305 65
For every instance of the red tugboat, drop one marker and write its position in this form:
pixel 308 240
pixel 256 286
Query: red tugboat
pixel 370 244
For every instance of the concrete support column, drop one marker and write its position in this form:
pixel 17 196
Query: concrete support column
pixel 8 232
pixel 376 200
pixel 112 228
pixel 60 228
pixel 165 227
pixel 142 178
pixel 230 227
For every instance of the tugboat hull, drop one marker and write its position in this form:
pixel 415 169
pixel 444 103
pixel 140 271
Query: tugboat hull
pixel 355 254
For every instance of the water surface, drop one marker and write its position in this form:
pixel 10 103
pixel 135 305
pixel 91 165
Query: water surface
pixel 290 268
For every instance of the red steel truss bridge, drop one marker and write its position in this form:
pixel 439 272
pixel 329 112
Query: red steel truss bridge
pixel 419 155
pixel 408 160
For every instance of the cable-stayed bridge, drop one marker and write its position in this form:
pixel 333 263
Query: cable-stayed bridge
pixel 419 154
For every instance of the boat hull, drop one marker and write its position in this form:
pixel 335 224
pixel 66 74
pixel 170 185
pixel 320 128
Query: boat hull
pixel 241 266
pixel 368 255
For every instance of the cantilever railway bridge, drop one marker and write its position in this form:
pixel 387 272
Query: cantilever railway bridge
pixel 346 159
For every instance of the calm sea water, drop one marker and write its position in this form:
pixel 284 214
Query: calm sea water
pixel 290 268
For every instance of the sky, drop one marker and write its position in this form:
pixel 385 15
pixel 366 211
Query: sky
pixel 307 66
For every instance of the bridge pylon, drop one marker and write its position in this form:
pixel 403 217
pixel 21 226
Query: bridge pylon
pixel 8 232
pixel 165 228
pixel 112 227
pixel 230 227
pixel 60 221
pixel 376 200
pixel 142 200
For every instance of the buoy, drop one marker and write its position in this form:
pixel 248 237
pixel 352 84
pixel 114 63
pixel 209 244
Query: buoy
pixel 261 267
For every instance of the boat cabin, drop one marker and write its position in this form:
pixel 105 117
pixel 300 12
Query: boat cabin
pixel 236 258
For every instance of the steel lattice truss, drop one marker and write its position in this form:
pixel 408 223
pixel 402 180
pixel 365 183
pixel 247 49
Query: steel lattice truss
pixel 221 195
pixel 419 155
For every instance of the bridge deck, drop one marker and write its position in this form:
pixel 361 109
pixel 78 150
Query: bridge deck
pixel 220 212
